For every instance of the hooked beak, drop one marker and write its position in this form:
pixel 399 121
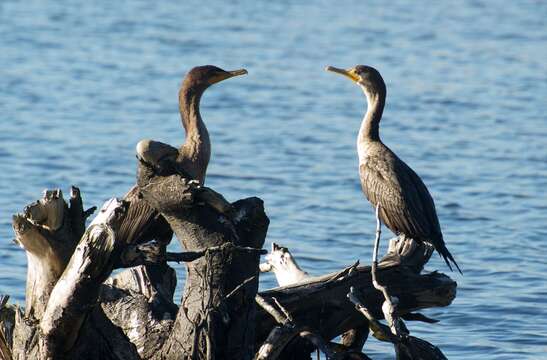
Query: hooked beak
pixel 227 75
pixel 347 73
pixel 237 72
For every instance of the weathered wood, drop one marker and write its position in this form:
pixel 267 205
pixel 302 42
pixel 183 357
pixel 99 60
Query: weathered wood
pixel 48 230
pixel 215 313
pixel 280 336
pixel 133 316
pixel 354 339
pixel 77 291
pixel 71 321
pixel 25 337
pixel 284 265
pixel 408 252
pixel 5 348
pixel 320 302
pixel 152 253
pixel 137 318
pixel 275 343
pixel 139 301
pixel 406 347
pixel 7 322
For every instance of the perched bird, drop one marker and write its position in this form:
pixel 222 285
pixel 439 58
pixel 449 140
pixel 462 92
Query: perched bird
pixel 406 207
pixel 142 222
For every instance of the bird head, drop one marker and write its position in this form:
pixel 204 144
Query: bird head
pixel 365 76
pixel 201 77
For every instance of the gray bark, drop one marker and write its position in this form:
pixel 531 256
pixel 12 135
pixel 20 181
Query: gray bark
pixel 216 317
pixel 48 230
pixel 77 291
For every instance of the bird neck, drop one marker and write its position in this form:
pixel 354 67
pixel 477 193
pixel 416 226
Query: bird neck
pixel 197 145
pixel 369 130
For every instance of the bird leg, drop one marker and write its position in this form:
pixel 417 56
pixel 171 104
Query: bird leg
pixel 389 307
pixel 406 346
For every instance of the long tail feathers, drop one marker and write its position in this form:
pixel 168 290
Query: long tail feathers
pixel 443 251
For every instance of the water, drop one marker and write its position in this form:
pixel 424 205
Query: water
pixel 82 82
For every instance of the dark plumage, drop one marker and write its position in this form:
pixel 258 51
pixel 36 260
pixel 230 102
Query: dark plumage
pixel 142 223
pixel 195 153
pixel 406 207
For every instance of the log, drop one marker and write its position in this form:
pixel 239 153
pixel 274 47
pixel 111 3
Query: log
pixel 320 303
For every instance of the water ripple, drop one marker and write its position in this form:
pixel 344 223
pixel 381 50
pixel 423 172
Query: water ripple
pixel 82 84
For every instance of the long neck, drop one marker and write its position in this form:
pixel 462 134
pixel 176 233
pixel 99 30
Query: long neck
pixel 197 147
pixel 369 130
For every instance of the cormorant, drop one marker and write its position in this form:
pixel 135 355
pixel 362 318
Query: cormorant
pixel 142 223
pixel 406 207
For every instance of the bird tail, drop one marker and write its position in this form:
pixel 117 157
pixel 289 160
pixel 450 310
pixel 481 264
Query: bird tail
pixel 443 251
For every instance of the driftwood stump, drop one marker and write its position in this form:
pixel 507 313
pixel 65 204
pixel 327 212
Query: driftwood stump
pixel 75 309
pixel 218 302
pixel 48 230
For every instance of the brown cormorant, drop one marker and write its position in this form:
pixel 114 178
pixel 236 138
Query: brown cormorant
pixel 406 207
pixel 142 223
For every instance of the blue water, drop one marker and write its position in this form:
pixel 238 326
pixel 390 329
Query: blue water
pixel 82 82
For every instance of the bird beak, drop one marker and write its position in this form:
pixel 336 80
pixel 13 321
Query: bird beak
pixel 227 75
pixel 348 73
pixel 237 72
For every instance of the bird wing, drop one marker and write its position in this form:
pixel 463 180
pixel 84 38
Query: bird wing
pixel 142 223
pixel 406 205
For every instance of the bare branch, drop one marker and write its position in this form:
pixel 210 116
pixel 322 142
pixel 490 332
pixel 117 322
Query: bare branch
pixel 280 318
pixel 237 288
pixel 154 252
pixel 278 339
pixel 379 331
pixel 318 342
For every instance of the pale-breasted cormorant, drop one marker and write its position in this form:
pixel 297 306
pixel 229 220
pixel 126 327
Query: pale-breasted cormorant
pixel 406 207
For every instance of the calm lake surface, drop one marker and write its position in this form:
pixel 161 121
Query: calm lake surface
pixel 82 82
